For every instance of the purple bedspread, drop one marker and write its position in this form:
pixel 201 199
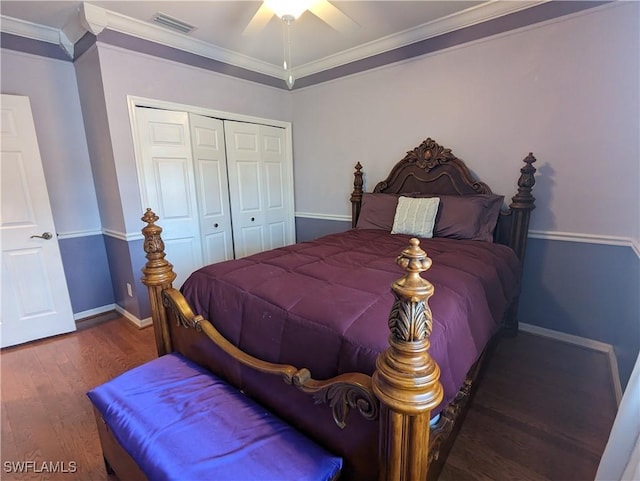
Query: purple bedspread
pixel 324 305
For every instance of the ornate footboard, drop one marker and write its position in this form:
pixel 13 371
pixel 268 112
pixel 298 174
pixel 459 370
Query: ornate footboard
pixel 399 396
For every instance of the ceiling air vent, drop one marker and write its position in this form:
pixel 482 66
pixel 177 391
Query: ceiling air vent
pixel 172 23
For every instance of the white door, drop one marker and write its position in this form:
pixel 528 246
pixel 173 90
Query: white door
pixel 165 166
pixel 210 166
pixel 35 299
pixel 260 185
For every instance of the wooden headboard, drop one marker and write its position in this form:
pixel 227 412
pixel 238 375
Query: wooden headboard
pixel 433 169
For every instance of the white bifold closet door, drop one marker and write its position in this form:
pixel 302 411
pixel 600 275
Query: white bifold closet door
pixel 210 167
pixel 222 189
pixel 259 182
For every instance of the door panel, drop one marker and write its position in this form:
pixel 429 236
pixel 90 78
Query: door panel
pixel 168 186
pixel 210 162
pixel 249 199
pixel 245 180
pixel 278 216
pixel 277 235
pixel 274 185
pixel 172 178
pixel 35 300
pixel 260 175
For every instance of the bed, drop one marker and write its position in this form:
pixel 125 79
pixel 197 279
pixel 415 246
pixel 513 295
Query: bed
pixel 381 376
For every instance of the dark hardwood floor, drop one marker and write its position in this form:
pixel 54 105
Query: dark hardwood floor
pixel 543 411
pixel 46 415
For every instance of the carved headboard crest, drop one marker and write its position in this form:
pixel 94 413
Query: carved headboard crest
pixel 428 154
pixel 430 162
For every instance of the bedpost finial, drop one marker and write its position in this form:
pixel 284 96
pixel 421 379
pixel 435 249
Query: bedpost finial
pixel 157 270
pixel 357 180
pixel 414 261
pixel 149 216
pixel 410 318
pixel 524 199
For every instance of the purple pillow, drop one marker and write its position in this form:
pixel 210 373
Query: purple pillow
pixel 468 216
pixel 377 211
pixel 471 217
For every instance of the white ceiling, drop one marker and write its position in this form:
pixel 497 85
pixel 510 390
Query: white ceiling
pixel 382 26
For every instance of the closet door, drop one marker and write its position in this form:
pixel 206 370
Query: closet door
pixel 210 166
pixel 260 187
pixel 168 187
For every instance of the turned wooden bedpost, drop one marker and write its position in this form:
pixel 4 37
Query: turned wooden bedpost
pixel 356 195
pixel 518 230
pixel 406 379
pixel 158 276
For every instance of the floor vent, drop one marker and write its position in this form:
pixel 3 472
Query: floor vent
pixel 172 23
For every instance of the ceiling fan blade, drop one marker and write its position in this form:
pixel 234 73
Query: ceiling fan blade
pixel 330 14
pixel 259 20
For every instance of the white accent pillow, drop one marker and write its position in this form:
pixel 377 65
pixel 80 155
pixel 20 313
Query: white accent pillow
pixel 415 216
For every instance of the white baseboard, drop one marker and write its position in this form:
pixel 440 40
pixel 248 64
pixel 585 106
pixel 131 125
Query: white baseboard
pixel 93 312
pixel 586 343
pixel 139 323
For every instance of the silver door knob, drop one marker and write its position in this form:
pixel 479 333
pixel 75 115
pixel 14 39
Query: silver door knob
pixel 45 236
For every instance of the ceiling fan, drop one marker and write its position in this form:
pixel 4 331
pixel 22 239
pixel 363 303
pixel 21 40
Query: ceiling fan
pixel 290 10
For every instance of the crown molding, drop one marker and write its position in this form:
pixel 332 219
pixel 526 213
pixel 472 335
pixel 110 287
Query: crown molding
pixel 96 19
pixel 38 32
pixel 466 18
pixel 31 30
pixel 93 18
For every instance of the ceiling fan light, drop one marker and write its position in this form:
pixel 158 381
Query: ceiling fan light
pixel 289 8
pixel 290 80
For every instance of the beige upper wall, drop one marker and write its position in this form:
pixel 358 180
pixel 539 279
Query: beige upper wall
pixel 51 87
pixel 126 73
pixel 557 89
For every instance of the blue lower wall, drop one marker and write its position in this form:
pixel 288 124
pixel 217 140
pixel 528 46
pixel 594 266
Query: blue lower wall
pixel 86 268
pixel 584 289
pixel 309 229
pixel 126 259
pixel 98 268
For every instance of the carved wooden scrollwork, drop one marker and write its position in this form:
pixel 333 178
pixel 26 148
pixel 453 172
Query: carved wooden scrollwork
pixel 448 418
pixel 408 322
pixel 182 313
pixel 342 393
pixel 429 154
pixel 433 161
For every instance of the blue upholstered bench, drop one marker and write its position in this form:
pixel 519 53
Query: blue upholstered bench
pixel 177 421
